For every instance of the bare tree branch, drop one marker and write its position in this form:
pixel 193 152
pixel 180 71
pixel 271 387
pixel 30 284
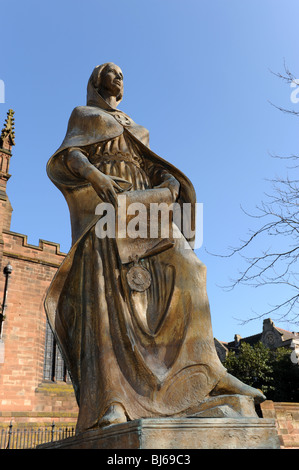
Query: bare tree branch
pixel 279 218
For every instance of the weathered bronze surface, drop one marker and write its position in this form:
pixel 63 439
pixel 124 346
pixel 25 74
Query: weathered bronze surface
pixel 137 344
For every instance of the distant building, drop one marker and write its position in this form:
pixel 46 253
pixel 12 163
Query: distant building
pixel 271 336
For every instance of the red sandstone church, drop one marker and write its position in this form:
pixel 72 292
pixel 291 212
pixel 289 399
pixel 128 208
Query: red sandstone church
pixel 34 384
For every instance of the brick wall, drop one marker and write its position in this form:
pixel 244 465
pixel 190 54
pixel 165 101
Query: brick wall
pixel 287 421
pixel 24 396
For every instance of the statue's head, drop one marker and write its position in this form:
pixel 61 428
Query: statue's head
pixel 107 80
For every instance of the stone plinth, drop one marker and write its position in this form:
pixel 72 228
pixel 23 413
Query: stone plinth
pixel 179 433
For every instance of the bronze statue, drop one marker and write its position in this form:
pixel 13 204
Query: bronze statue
pixel 131 352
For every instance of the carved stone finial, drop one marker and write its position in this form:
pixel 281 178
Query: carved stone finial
pixel 9 128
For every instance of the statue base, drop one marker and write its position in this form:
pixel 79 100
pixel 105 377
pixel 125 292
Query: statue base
pixel 177 433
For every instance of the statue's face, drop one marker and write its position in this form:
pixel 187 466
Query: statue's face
pixel 112 80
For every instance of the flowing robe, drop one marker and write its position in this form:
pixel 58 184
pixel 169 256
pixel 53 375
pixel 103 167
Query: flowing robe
pixel 152 352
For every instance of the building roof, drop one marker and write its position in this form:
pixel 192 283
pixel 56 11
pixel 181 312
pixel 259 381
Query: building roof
pixel 271 335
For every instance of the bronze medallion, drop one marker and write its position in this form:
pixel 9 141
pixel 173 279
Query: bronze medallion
pixel 122 119
pixel 138 278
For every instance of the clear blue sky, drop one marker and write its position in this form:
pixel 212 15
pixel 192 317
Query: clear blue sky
pixel 197 75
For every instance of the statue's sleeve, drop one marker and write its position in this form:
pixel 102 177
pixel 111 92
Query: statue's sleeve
pixel 157 173
pixel 60 172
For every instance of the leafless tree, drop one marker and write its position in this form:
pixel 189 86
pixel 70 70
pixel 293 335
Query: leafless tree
pixel 276 217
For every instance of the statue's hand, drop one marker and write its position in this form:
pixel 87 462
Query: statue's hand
pixel 172 184
pixel 105 187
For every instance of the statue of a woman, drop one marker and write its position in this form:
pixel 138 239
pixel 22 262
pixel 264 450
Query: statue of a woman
pixel 130 353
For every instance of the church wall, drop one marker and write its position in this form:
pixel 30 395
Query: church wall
pixel 24 395
pixel 286 416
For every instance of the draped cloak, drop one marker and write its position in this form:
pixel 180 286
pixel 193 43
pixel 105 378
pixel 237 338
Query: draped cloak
pixel 152 352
